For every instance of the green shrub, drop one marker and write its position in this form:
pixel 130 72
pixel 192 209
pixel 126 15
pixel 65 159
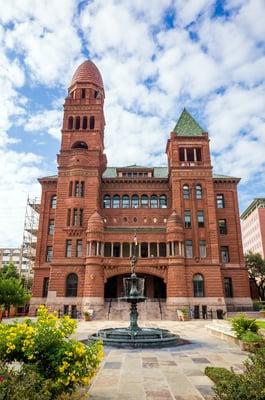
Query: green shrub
pixel 242 324
pixel 45 344
pixel 249 385
pixel 218 374
pixel 27 384
pixel 23 384
pixel 251 337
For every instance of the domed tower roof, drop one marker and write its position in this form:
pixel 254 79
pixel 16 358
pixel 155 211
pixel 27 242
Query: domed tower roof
pixel 95 223
pixel 87 72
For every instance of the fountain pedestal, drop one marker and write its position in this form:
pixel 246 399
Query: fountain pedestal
pixel 135 336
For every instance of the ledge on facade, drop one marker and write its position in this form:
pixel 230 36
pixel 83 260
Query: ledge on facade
pixel 121 229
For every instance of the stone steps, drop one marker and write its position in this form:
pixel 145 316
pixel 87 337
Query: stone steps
pixel 148 310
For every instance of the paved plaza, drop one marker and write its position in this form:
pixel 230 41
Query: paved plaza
pixel 166 374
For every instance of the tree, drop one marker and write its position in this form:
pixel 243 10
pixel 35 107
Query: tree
pixel 256 268
pixel 12 293
pixel 9 271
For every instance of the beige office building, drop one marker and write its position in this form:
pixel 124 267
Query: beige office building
pixel 253 227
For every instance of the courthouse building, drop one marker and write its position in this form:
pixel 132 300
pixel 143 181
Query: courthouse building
pixel 186 219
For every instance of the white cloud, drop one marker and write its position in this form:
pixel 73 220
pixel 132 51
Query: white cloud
pixel 18 180
pixel 46 121
pixel 45 34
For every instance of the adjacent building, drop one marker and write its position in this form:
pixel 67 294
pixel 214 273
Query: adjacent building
pixel 253 227
pixel 186 218
pixel 14 256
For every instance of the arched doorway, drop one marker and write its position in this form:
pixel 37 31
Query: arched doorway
pixel 155 287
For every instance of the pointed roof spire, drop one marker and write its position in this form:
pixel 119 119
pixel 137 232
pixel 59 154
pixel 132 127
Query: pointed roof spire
pixel 187 126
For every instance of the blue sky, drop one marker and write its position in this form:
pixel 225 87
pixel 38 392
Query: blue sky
pixel 155 57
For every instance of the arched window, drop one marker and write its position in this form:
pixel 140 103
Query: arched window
pixel 198 285
pixel 125 201
pixel 198 190
pixel 84 123
pixel 71 285
pixel 144 201
pixel 77 123
pixel 83 93
pixel 186 192
pixel 92 122
pixel 154 201
pixel 116 201
pixel 163 201
pixel 106 201
pixel 70 123
pixel 53 201
pixel 79 145
pixel 135 201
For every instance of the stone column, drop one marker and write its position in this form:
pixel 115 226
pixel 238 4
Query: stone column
pixel 157 249
pixel 148 244
pixel 111 254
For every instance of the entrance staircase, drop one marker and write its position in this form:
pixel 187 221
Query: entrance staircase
pixel 151 309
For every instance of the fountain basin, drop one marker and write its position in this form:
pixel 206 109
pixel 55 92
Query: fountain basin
pixel 139 338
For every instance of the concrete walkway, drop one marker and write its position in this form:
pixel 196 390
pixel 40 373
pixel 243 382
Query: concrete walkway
pixel 167 374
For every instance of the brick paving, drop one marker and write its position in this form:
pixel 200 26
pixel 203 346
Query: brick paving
pixel 166 374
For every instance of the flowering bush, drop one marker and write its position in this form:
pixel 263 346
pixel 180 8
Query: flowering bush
pixel 46 345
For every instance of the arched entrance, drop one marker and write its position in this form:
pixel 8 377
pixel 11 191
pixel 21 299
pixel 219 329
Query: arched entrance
pixel 155 287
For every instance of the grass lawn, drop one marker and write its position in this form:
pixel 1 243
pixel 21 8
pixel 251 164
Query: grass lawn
pixel 261 324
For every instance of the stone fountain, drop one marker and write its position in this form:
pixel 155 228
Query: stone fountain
pixel 134 336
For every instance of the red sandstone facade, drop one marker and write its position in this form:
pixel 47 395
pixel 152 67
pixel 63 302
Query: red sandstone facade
pixel 186 218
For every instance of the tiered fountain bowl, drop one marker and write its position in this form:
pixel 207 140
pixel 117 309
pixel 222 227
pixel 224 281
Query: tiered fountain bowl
pixel 133 336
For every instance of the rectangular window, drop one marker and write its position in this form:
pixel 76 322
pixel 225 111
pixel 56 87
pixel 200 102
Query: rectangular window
pixel 51 227
pixel 82 189
pixel 81 217
pixel 49 253
pixel 79 248
pixel 125 250
pixel 68 248
pixel 198 154
pixel 83 93
pixel 70 189
pixel 222 226
pixel 144 250
pixel 188 248
pixel 116 250
pixel 45 287
pixel 190 154
pixel 162 250
pixel 187 219
pixel 181 154
pixel 68 219
pixel 220 201
pixel 224 254
pixel 75 216
pixel 200 218
pixel 228 287
pixel 107 250
pixel 153 249
pixel 203 248
pixel 76 190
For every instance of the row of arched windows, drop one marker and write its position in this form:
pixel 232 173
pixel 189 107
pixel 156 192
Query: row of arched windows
pixel 71 286
pixel 135 201
pixel 187 192
pixel 81 123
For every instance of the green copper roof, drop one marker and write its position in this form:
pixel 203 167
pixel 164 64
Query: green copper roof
pixel 187 126
pixel 159 172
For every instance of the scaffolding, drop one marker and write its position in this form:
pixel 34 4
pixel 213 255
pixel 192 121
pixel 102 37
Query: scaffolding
pixel 30 232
